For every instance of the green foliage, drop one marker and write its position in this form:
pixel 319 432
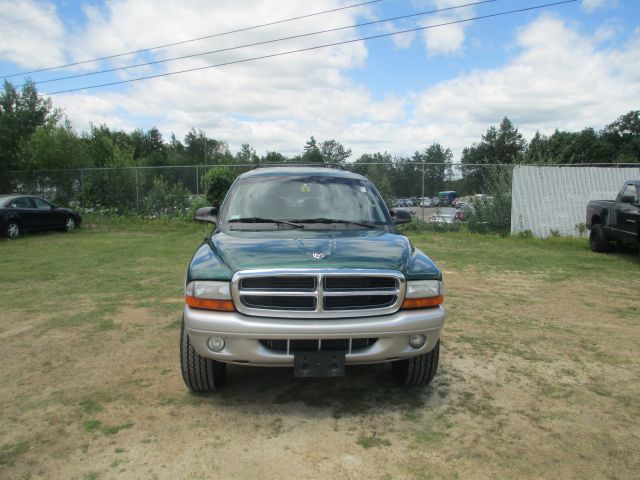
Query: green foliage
pixel 334 152
pixel 166 199
pixel 21 113
pixel 436 175
pixel 216 183
pixel 493 213
pixel 503 145
pixel 312 153
pixel 109 191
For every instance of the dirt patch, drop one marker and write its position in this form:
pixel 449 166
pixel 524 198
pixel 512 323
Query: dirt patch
pixel 537 380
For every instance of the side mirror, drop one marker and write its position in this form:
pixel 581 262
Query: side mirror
pixel 206 215
pixel 627 199
pixel 400 215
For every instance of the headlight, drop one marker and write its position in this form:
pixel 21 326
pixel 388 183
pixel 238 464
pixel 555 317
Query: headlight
pixel 209 295
pixel 423 294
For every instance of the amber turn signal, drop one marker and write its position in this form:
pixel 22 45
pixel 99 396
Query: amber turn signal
pixel 208 304
pixel 427 302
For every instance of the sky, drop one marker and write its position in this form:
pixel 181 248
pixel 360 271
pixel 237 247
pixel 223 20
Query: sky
pixel 563 67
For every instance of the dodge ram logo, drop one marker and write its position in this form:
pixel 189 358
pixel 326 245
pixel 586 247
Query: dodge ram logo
pixel 318 255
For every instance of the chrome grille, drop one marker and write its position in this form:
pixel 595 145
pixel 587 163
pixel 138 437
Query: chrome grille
pixel 317 293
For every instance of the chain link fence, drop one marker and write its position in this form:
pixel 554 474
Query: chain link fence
pixel 543 200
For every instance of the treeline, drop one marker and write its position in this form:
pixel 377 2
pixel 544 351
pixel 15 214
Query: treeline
pixel 34 136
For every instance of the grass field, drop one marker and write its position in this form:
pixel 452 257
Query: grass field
pixel 539 373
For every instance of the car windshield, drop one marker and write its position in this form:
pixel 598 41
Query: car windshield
pixel 304 199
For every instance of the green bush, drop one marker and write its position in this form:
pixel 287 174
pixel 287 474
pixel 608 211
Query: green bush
pixel 216 183
pixel 165 199
pixel 111 190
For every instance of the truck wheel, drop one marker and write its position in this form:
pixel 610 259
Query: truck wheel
pixel 418 370
pixel 200 374
pixel 598 241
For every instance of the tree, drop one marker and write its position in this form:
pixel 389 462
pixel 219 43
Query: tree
pixel 333 151
pixel 274 157
pixel 247 155
pixel 21 113
pixel 499 146
pixel 312 153
pixel 623 137
pixel 201 150
pixel 438 168
pixel 216 183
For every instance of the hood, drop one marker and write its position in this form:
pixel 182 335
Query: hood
pixel 241 250
pixel 231 251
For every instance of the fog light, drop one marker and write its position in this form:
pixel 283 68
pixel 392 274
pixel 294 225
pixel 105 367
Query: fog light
pixel 216 344
pixel 417 341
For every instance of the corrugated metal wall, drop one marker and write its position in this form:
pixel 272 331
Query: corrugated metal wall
pixel 554 199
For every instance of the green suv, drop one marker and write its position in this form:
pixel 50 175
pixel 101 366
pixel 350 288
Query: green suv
pixel 304 269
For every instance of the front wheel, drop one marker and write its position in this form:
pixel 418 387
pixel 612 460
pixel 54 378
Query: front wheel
pixel 69 224
pixel 418 370
pixel 12 230
pixel 598 241
pixel 200 374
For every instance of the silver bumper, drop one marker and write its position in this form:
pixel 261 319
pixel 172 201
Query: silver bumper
pixel 242 335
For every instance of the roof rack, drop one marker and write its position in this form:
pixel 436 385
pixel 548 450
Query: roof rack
pixel 295 164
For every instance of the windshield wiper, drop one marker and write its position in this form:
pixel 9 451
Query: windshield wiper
pixel 264 220
pixel 336 220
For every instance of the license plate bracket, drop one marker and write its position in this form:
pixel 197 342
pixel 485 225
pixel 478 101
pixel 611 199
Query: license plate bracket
pixel 318 364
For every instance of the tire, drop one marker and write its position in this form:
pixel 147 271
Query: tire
pixel 598 241
pixel 417 371
pixel 200 374
pixel 13 230
pixel 69 224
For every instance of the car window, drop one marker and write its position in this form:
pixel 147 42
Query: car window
pixel 22 202
pixel 41 204
pixel 305 197
pixel 630 191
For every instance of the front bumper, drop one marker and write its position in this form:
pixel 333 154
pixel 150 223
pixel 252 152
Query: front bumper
pixel 242 335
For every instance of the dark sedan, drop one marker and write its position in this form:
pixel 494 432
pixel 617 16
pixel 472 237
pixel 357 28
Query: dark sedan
pixel 26 213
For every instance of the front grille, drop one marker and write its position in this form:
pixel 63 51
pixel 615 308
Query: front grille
pixel 280 302
pixel 357 302
pixel 317 293
pixel 359 283
pixel 301 284
pixel 348 345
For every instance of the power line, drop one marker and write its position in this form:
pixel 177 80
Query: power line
pixel 276 22
pixel 344 42
pixel 264 42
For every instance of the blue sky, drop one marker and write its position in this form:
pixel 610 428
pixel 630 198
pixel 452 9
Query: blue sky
pixel 566 67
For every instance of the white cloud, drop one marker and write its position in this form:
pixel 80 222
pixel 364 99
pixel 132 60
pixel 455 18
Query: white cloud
pixel 446 40
pixel 592 5
pixel 31 36
pixel 558 80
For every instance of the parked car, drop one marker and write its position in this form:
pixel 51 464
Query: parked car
pixel 312 285
pixel 426 202
pixel 464 211
pixel 444 215
pixel 27 213
pixel 617 219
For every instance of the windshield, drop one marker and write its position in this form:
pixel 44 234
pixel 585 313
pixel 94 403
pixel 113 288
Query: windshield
pixel 304 199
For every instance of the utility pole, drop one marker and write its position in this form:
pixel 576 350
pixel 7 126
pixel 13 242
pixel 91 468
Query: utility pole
pixel 422 199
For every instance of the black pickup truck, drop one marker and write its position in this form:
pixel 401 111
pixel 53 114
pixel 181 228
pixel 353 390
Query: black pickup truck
pixel 617 219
